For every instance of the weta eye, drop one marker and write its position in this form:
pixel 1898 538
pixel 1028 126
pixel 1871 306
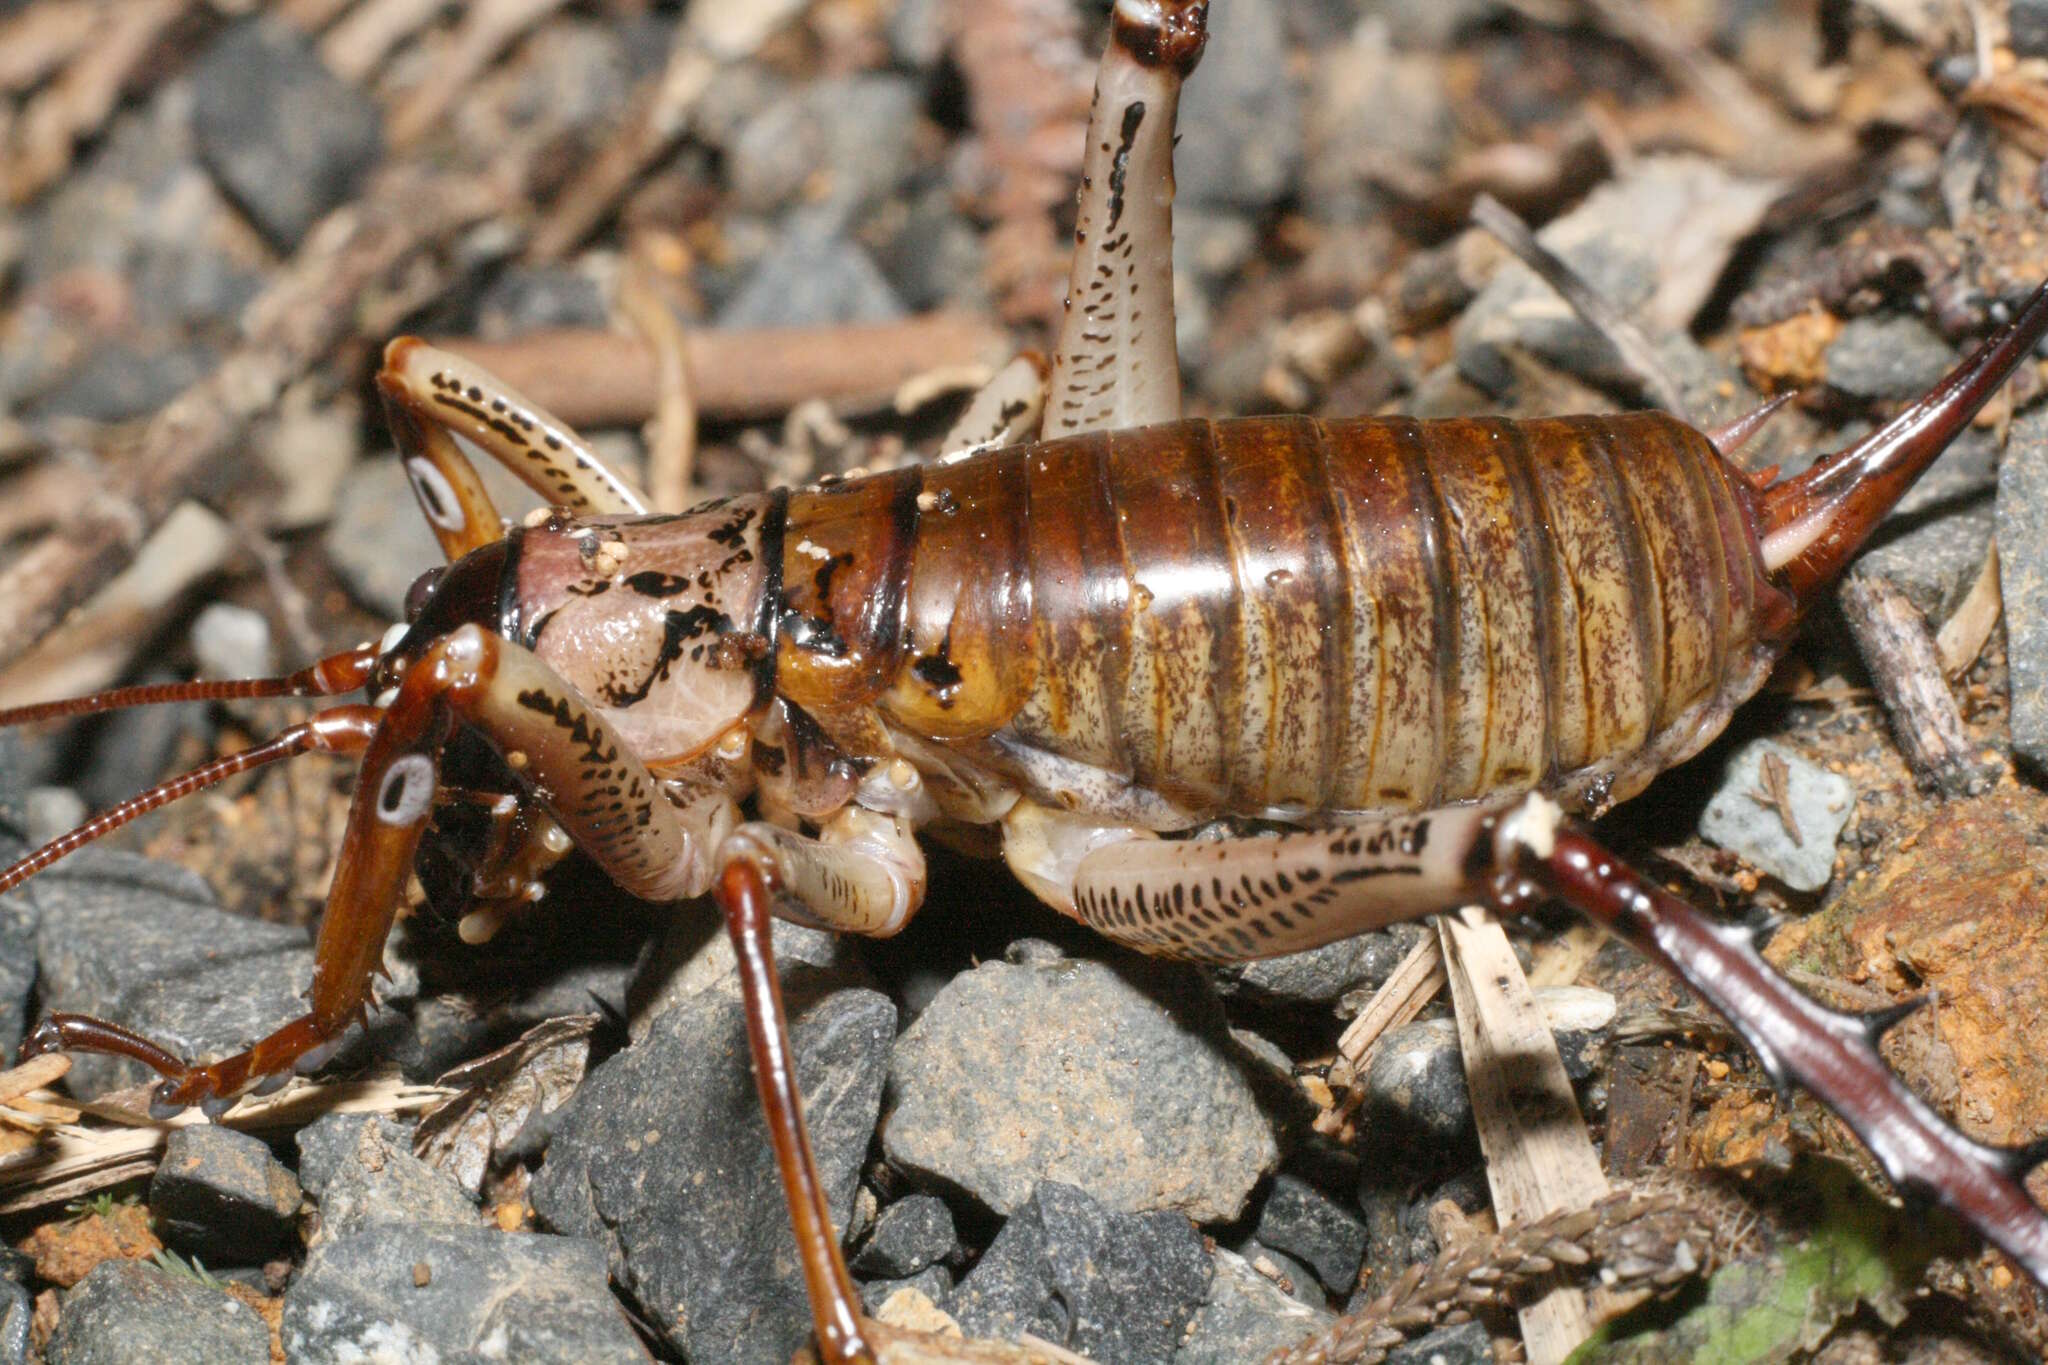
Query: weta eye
pixel 421 592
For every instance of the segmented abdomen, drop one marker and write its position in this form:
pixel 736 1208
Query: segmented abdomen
pixel 1284 615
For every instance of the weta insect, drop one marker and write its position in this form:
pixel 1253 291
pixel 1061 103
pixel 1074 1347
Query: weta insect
pixel 1387 635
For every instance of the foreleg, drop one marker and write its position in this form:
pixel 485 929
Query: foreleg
pixel 595 790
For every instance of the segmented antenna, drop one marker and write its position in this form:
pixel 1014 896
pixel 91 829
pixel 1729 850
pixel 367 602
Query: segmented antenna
pixel 341 729
pixel 338 673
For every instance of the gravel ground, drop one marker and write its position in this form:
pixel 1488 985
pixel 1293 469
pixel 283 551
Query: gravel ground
pixel 219 213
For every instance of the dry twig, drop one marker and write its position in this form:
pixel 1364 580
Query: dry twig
pixel 1539 1159
pixel 658 121
pixel 1892 637
pixel 488 28
pixel 610 379
pixel 191 445
pixel 1596 312
pixel 81 99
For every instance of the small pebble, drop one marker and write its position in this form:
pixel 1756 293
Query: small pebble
pixel 128 1311
pixel 287 139
pixel 220 1195
pixel 1110 1286
pixel 1781 813
pixel 1122 1086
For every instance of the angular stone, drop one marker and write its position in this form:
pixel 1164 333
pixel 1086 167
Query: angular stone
pixel 910 1234
pixel 1245 1317
pixel 1745 818
pixel 402 1293
pixel 1320 975
pixel 663 1155
pixel 1957 918
pixel 286 138
pixel 1466 1343
pixel 1115 1080
pixel 1301 1220
pixel 127 1311
pixel 221 1196
pixel 1887 356
pixel 361 1169
pixel 2023 582
pixel 934 1282
pixel 814 275
pixel 1110 1286
pixel 141 943
pixel 1416 1079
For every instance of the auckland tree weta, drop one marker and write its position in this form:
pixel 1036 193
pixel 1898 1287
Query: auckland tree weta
pixel 1401 640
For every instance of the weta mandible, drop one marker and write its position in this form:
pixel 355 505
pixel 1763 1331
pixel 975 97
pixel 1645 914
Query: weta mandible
pixel 1095 627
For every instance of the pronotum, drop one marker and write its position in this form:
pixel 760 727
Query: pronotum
pixel 1410 646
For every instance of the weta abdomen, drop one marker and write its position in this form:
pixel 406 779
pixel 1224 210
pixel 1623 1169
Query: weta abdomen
pixel 1281 615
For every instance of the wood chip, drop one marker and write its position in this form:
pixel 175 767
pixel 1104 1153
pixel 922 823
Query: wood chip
pixel 1539 1159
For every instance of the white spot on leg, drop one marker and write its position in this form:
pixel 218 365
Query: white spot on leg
pixel 1533 825
pixel 407 791
pixel 436 495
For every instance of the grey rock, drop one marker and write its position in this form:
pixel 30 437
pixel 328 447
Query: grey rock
pixel 1742 819
pixel 935 1282
pixel 856 130
pixel 1887 357
pixel 694 955
pixel 362 1171
pixel 1120 1086
pixel 144 210
pixel 1932 545
pixel 126 1311
pixel 232 642
pixel 1465 1344
pixel 663 1155
pixel 2027 23
pixel 1435 24
pixel 286 138
pixel 1621 241
pixel 532 298
pixel 141 943
pixel 220 1195
pixel 916 30
pixel 1291 1277
pixel 1239 116
pixel 18 918
pixel 17 1321
pixel 396 1292
pixel 931 255
pixel 812 275
pixel 379 543
pixel 910 1234
pixel 1320 975
pixel 131 749
pixel 1301 1220
pixel 119 381
pixel 51 811
pixel 2023 579
pixel 1245 1317
pixel 1110 1286
pixel 1416 1081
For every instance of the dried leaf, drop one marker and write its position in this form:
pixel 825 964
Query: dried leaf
pixel 497 1094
